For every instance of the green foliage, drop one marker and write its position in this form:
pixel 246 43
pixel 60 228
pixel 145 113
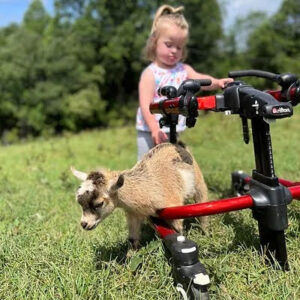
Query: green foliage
pixel 275 45
pixel 36 17
pixel 80 67
pixel 84 109
pixel 205 35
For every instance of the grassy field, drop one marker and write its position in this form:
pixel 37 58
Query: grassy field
pixel 44 253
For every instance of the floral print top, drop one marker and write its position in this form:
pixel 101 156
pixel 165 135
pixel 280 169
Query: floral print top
pixel 163 77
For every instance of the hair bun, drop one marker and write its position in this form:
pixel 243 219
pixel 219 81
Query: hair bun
pixel 169 10
pixel 166 10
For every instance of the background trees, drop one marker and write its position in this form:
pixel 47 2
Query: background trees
pixel 275 45
pixel 79 68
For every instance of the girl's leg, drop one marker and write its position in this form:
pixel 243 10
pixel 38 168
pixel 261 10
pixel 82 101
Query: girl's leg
pixel 144 143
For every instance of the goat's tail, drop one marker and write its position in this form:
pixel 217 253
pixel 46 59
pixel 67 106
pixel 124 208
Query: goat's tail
pixel 181 144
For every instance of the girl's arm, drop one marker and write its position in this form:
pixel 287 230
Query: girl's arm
pixel 146 94
pixel 215 82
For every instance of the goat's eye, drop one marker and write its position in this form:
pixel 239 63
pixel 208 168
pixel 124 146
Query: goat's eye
pixel 98 205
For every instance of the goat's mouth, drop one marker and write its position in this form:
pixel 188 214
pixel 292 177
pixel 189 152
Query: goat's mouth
pixel 89 227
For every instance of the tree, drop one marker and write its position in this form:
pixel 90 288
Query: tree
pixel 205 21
pixel 275 45
pixel 118 34
pixel 80 68
pixel 36 18
pixel 40 73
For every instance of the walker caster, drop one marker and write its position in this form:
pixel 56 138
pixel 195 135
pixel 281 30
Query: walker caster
pixel 189 274
pixel 195 292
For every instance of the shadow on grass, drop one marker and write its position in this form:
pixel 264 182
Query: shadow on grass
pixel 295 214
pixel 104 254
pixel 118 252
pixel 244 234
pixel 192 223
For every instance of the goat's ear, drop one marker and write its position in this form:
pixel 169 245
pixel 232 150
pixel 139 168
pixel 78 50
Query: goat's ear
pixel 117 184
pixel 80 175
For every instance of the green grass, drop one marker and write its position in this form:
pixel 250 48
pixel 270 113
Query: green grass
pixel 44 254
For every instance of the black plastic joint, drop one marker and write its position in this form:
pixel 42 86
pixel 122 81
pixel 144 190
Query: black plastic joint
pixel 267 196
pixel 184 252
pixel 220 104
pixel 238 181
pixel 270 204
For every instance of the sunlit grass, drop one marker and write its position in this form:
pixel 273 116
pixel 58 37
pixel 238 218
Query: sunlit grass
pixel 44 254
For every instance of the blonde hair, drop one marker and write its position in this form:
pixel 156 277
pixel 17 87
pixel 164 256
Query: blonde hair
pixel 165 14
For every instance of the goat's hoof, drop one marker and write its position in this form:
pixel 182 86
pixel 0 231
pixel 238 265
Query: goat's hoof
pixel 130 253
pixel 134 244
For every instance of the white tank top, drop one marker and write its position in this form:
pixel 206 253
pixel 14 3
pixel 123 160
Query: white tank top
pixel 163 77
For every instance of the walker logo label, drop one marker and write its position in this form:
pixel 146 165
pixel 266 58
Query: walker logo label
pixel 281 110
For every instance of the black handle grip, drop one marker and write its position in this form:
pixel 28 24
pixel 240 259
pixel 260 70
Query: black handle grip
pixel 256 73
pixel 204 82
pixel 192 86
pixel 285 80
pixel 169 91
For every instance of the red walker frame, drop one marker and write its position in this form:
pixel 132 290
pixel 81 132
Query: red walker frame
pixel 265 174
pixel 214 207
pixel 218 206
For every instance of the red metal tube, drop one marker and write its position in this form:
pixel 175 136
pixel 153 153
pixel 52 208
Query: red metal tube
pixel 172 105
pixel 207 208
pixel 295 191
pixel 275 94
pixel 206 103
pixel 163 230
pixel 288 183
pixel 167 106
pixel 293 92
pixel 284 182
pixel 278 95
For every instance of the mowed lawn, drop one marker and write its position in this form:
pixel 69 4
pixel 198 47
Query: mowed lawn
pixel 44 253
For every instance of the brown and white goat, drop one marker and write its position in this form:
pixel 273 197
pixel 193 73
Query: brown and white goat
pixel 166 176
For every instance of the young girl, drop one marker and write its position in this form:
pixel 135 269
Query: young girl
pixel 166 48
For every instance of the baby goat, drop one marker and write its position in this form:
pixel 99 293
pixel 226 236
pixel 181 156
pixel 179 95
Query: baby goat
pixel 166 176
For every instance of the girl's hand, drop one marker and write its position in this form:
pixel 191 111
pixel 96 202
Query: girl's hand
pixel 159 137
pixel 222 83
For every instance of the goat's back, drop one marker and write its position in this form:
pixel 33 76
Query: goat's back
pixel 167 154
pixel 164 177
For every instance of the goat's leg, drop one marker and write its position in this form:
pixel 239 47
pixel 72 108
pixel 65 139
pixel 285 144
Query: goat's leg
pixel 201 195
pixel 177 225
pixel 134 227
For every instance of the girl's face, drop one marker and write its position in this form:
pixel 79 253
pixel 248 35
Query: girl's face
pixel 169 46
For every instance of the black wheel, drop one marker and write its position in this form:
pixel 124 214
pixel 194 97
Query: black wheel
pixel 199 293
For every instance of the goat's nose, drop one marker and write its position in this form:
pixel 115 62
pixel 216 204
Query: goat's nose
pixel 83 224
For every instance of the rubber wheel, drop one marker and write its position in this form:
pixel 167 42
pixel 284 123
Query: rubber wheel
pixel 197 293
